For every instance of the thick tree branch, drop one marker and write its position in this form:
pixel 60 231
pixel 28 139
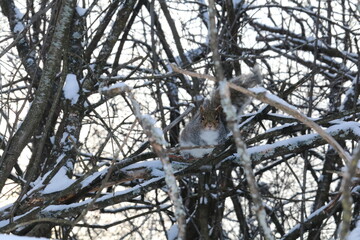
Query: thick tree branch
pixel 33 117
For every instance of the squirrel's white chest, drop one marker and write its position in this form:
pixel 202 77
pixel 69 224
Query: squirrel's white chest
pixel 207 137
pixel 210 136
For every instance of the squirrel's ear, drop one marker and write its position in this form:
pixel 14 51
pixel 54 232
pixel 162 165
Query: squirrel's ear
pixel 202 109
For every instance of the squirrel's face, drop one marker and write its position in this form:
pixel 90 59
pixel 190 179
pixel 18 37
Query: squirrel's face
pixel 210 118
pixel 210 122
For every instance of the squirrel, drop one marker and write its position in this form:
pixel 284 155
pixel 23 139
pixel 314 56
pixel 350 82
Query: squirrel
pixel 208 126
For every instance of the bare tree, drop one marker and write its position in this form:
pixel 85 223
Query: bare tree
pixel 95 93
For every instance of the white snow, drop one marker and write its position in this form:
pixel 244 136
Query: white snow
pixel 198 98
pixel 271 96
pixel 81 11
pixel 120 85
pixel 91 178
pixel 18 13
pixel 172 232
pixel 317 212
pixel 292 143
pixel 135 190
pixel 203 200
pixel 286 125
pixel 71 88
pixel 155 166
pixel 157 134
pixel 311 41
pixel 92 67
pixel 76 35
pixel 19 27
pixel 236 2
pixel 355 233
pixel 59 182
pixel 281 115
pixel 205 16
pixel 7 221
pixel 65 207
pixel 350 93
pixel 169 68
pixel 64 137
pixel 297 226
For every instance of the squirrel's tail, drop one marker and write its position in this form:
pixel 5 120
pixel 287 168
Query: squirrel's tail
pixel 249 80
pixel 238 99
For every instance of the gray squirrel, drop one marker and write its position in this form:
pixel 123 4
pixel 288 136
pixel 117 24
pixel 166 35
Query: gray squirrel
pixel 208 126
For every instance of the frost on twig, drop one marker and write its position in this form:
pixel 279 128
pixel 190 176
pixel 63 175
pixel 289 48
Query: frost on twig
pixel 244 158
pixel 157 141
pixel 231 119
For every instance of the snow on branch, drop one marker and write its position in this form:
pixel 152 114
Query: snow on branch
pixel 350 130
pixel 230 112
pixel 71 88
pixel 315 217
pixel 244 158
pixel 115 89
pixel 69 210
pixel 157 141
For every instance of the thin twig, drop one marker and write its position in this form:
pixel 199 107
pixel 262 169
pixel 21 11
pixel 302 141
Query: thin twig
pixel 157 140
pixel 230 112
pixel 274 101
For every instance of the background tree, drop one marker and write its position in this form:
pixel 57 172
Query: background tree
pixel 82 82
